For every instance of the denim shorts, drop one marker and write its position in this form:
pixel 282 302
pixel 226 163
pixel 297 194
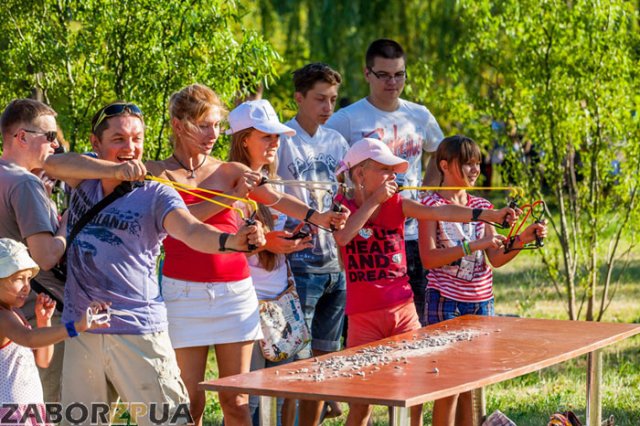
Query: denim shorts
pixel 439 308
pixel 323 298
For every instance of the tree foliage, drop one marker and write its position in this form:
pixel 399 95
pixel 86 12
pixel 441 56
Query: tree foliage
pixel 80 55
pixel 563 75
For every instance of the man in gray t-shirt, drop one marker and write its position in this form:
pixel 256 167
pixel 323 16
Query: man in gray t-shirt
pixel 29 133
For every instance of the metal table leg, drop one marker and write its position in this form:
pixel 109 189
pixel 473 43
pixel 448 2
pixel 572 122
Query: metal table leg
pixel 401 416
pixel 268 411
pixel 594 380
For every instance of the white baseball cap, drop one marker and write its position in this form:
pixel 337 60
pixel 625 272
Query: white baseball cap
pixel 14 257
pixel 371 149
pixel 259 115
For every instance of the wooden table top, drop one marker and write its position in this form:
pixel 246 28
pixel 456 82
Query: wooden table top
pixel 504 348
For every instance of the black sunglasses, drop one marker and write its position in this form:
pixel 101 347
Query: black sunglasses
pixel 116 109
pixel 399 76
pixel 51 135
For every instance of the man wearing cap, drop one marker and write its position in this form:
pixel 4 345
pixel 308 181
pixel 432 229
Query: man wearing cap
pixel 312 155
pixel 29 131
pixel 113 258
pixel 409 129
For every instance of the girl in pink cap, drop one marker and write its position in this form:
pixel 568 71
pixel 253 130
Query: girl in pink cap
pixel 379 297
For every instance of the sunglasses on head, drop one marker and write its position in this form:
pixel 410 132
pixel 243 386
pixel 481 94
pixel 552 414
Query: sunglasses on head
pixel 51 135
pixel 114 110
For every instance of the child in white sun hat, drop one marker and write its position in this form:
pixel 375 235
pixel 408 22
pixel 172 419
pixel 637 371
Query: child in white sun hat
pixel 379 296
pixel 22 348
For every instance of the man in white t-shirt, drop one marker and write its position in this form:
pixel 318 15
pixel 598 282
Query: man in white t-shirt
pixel 311 156
pixel 409 129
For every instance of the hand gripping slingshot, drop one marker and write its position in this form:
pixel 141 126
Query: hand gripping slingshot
pixel 191 190
pixel 104 317
pixel 536 211
pixel 310 185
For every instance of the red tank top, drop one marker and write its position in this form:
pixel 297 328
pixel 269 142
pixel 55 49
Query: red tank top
pixel 183 263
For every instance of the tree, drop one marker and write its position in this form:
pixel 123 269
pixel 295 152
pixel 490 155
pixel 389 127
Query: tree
pixel 563 75
pixel 81 55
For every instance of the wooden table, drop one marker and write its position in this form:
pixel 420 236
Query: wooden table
pixel 504 348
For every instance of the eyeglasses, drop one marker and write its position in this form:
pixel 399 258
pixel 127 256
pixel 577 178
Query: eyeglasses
pixel 50 135
pixel 399 76
pixel 114 110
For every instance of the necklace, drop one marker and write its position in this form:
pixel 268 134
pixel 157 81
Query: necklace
pixel 192 174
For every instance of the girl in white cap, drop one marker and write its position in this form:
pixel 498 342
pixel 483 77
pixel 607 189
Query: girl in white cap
pixel 379 297
pixel 22 348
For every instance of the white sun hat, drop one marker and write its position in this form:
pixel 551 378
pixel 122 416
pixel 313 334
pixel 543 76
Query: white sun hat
pixel 259 115
pixel 14 257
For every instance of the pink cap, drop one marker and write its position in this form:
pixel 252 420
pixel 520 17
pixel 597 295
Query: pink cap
pixel 260 115
pixel 371 149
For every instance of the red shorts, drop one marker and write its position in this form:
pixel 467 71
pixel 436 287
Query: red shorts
pixel 367 327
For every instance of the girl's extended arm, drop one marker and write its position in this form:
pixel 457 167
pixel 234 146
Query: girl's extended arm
pixel 14 329
pixel 453 213
pixel 293 207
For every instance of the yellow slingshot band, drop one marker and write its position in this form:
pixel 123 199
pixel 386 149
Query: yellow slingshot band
pixel 188 189
pixel 515 190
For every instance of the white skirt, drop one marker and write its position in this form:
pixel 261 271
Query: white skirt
pixel 203 314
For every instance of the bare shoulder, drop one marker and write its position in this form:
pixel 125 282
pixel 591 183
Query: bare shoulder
pixel 158 168
pixel 231 170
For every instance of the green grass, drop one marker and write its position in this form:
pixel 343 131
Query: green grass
pixel 521 289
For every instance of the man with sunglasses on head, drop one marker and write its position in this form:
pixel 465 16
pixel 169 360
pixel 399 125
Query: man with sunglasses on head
pixel 409 129
pixel 113 257
pixel 29 132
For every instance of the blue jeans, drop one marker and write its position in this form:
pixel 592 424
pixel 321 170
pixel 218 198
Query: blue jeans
pixel 439 308
pixel 323 298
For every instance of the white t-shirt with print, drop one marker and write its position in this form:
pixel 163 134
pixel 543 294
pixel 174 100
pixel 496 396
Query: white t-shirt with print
pixel 312 158
pixel 408 131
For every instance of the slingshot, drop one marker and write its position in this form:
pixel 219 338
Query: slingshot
pixel 188 189
pixel 327 185
pixel 104 317
pixel 537 214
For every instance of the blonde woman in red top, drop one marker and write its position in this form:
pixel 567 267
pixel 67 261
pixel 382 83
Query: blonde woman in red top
pixel 210 299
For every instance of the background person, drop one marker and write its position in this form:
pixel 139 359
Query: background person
pixel 409 129
pixel 27 213
pixel 312 155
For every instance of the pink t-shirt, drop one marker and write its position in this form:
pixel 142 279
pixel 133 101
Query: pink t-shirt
pixel 375 260
pixel 470 278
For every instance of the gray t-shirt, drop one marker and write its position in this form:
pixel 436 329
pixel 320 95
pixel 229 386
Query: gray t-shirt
pixel 26 210
pixel 113 258
pixel 312 158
